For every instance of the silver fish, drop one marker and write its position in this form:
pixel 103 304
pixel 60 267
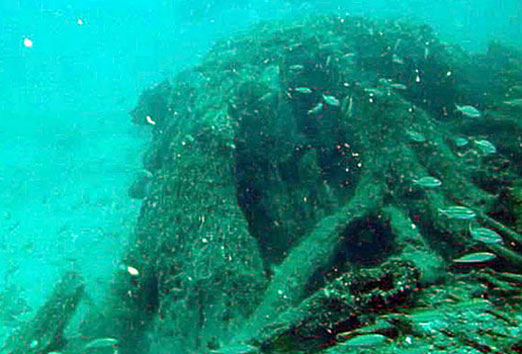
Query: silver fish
pixel 485 146
pixel 485 235
pixel 305 90
pixel 318 108
pixel 331 100
pixel 468 111
pixel 458 212
pixel 397 59
pixel 397 86
pixel 296 67
pixel 428 182
pixel 365 340
pixel 478 257
pixel 461 142
pixel 416 136
pixel 101 343
pixel 237 349
pixel 514 103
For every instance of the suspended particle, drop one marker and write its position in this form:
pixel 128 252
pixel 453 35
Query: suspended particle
pixel 28 43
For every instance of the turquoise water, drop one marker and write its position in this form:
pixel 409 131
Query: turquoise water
pixel 68 148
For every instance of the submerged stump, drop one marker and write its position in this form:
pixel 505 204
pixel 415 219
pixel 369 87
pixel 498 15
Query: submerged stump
pixel 303 179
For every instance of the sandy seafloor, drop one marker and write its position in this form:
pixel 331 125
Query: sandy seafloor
pixel 63 202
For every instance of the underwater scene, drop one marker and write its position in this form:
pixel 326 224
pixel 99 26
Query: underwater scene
pixel 260 176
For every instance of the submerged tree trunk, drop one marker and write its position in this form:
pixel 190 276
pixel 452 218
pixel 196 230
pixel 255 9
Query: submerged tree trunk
pixel 300 180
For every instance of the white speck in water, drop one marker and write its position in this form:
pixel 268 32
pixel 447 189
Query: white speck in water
pixel 28 43
pixel 132 271
pixel 150 121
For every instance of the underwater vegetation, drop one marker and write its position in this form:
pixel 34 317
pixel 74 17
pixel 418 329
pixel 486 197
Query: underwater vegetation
pixel 334 185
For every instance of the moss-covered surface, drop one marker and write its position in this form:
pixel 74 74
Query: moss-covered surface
pixel 283 204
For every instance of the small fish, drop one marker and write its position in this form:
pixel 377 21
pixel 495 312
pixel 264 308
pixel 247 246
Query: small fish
pixel 101 343
pixel 237 349
pixel 347 106
pixel 461 142
pixel 514 103
pixel 426 316
pixel 350 107
pixel 485 146
pixel 397 59
pixel 428 182
pixel 416 136
pixel 516 88
pixel 485 235
pixel 296 67
pixel 398 86
pixel 328 60
pixel 188 138
pixel 34 344
pixel 468 111
pixel 304 90
pixel 374 92
pixel 331 100
pixel 318 108
pixel 266 97
pixel 479 257
pixel 458 213
pixel 396 45
pixel 426 52
pixel 365 340
pixel 389 83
